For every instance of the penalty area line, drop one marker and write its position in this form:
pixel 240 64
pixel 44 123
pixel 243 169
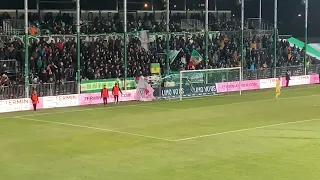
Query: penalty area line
pixel 246 129
pixel 95 128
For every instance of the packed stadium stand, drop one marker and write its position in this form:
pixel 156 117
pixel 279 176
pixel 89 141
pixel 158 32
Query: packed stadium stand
pixel 52 60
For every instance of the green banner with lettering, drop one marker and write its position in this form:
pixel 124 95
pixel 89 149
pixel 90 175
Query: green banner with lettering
pixel 90 86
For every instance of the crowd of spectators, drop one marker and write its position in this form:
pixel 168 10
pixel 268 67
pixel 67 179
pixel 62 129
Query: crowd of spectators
pixel 65 23
pixel 51 61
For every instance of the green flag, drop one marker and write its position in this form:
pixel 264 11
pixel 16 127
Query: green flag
pixel 196 58
pixel 172 55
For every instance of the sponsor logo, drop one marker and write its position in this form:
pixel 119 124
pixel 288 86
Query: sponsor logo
pixel 91 98
pixel 186 91
pixel 125 95
pixel 12 102
pixel 203 89
pixel 12 105
pixel 67 97
pixel 171 92
pixel 268 83
pixel 235 86
pixel 60 101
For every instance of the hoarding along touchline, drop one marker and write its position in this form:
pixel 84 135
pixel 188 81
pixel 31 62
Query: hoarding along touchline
pixel 50 100
pixel 163 102
pixel 11 105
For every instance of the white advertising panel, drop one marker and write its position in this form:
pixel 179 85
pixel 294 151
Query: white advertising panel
pixel 11 105
pixel 61 101
pixel 268 83
pixel 299 80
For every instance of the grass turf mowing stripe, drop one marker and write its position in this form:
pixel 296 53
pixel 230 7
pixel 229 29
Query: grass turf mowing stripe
pixel 95 128
pixel 146 104
pixel 244 102
pixel 170 140
pixel 246 129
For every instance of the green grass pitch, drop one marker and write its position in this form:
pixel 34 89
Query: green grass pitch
pixel 227 137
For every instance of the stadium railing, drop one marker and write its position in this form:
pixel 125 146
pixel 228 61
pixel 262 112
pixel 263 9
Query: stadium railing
pixel 254 23
pixel 45 89
pixel 53 89
pixel 11 65
pixel 280 71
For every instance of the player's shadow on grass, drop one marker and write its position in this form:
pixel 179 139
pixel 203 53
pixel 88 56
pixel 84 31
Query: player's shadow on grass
pixel 287 137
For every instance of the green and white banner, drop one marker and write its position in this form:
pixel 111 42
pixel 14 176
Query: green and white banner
pixel 172 55
pixel 191 77
pixel 312 50
pixel 316 46
pixel 91 86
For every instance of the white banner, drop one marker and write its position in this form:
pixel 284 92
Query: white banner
pixel 144 40
pixel 144 91
pixel 61 101
pixel 268 83
pixel 299 80
pixel 12 105
pixel 95 98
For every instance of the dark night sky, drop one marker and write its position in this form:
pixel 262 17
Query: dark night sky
pixel 288 10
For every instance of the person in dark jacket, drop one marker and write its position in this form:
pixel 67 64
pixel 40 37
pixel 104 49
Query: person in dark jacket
pixel 287 78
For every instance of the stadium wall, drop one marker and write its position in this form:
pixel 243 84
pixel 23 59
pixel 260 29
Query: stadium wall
pixel 24 104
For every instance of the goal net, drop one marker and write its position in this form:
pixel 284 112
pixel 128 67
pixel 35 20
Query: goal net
pixel 195 83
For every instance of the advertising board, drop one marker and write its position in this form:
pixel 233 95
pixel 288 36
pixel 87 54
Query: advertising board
pixel 24 104
pixel 268 83
pixel 61 101
pixel 297 80
pixel 12 105
pixel 235 86
pixel 187 91
pixel 95 98
pixel 314 79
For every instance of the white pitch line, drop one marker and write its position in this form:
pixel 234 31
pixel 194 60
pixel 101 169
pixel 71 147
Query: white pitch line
pixel 71 111
pixel 155 107
pixel 81 110
pixel 162 102
pixel 246 129
pixel 95 128
pixel 218 105
pixel 244 102
pixel 76 110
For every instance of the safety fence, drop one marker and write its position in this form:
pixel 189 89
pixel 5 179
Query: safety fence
pixel 93 86
pixel 24 104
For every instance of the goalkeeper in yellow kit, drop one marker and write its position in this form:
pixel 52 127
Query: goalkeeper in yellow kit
pixel 278 88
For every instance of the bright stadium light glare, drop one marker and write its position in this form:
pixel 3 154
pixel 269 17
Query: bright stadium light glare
pixel 145 5
pixel 299 15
